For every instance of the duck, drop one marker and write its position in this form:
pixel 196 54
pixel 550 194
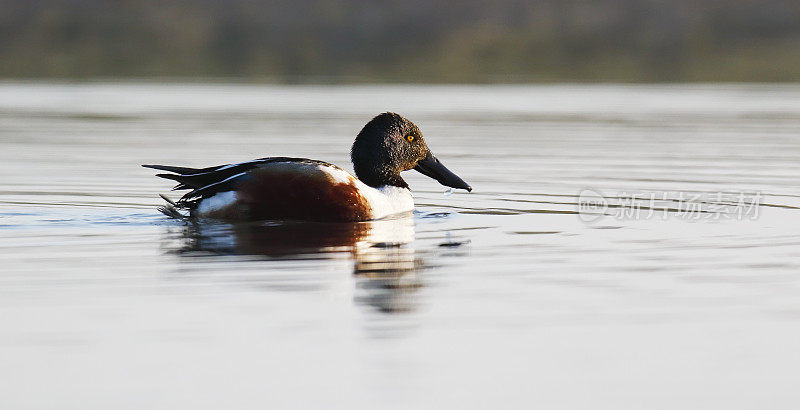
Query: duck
pixel 288 188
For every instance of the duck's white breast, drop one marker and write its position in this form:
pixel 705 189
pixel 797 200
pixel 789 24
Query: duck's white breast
pixel 400 199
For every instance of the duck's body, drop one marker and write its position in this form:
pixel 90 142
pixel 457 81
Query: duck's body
pixel 286 188
pixel 304 189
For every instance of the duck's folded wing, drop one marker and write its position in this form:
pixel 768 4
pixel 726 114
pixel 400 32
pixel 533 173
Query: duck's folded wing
pixel 206 182
pixel 194 178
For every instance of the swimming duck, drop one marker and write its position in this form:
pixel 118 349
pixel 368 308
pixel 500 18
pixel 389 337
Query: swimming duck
pixel 306 189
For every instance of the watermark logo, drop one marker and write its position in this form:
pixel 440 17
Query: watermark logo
pixel 593 205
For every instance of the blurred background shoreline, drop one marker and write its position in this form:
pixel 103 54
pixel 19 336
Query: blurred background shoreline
pixel 414 41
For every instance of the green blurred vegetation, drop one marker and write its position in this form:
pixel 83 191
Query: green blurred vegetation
pixel 403 41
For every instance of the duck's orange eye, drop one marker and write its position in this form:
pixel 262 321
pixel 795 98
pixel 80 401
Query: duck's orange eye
pixel 410 138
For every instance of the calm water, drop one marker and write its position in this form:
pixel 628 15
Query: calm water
pixel 678 288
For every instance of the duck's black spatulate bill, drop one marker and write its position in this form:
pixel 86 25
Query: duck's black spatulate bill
pixel 431 166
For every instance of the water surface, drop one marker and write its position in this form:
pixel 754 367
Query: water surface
pixel 680 289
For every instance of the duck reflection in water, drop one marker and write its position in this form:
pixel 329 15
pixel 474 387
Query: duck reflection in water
pixel 385 265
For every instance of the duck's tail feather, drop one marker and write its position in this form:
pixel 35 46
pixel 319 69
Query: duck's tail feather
pixel 181 170
pixel 172 209
pixel 171 202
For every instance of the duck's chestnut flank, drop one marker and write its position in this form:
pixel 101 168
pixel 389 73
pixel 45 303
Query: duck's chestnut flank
pixel 275 195
pixel 304 189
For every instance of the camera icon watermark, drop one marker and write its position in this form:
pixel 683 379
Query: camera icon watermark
pixel 593 205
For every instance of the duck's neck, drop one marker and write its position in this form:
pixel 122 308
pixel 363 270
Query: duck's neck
pixel 378 179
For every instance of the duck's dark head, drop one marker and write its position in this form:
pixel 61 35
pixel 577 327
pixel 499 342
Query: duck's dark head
pixel 390 144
